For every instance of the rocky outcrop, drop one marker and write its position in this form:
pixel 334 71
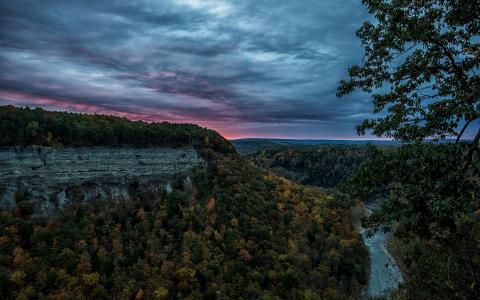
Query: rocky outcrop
pixel 49 177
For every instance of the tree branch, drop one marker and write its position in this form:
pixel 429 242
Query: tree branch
pixel 472 150
pixel 464 128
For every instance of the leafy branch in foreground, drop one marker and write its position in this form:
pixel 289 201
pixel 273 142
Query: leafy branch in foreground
pixel 421 67
pixel 417 184
pixel 433 206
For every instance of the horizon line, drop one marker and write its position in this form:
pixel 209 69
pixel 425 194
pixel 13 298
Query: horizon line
pixel 308 139
pixel 334 139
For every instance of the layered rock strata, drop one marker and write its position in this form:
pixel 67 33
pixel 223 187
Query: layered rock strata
pixel 50 177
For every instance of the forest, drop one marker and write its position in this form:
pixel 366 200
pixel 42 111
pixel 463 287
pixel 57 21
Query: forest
pixel 26 126
pixel 324 166
pixel 265 226
pixel 430 201
pixel 420 69
pixel 239 232
pixel 425 197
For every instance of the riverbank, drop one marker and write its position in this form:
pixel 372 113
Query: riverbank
pixel 385 274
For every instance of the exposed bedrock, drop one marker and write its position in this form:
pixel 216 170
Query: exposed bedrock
pixel 50 177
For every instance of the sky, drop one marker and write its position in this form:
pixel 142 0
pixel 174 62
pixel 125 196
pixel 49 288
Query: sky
pixel 250 68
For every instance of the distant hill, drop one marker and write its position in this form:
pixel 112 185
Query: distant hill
pixel 320 165
pixel 249 145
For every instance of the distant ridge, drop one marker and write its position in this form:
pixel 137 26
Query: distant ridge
pixel 312 142
pixel 249 145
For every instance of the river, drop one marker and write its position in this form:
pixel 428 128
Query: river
pixel 384 272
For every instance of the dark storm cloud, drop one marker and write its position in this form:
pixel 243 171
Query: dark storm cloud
pixel 243 67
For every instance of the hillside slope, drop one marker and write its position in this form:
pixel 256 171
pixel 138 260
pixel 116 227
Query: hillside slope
pixel 233 231
pixel 324 166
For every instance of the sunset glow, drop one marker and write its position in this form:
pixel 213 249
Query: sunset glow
pixel 245 69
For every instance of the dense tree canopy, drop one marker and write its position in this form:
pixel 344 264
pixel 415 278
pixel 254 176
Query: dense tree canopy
pixel 235 232
pixel 25 126
pixel 424 194
pixel 238 233
pixel 324 166
pixel 419 184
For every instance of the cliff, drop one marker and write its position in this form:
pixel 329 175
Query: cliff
pixel 50 177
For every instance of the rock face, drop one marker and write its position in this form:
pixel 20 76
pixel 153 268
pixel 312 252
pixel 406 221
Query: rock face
pixel 50 177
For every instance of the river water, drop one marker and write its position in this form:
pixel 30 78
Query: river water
pixel 384 272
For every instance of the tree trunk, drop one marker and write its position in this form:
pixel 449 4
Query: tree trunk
pixel 474 148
